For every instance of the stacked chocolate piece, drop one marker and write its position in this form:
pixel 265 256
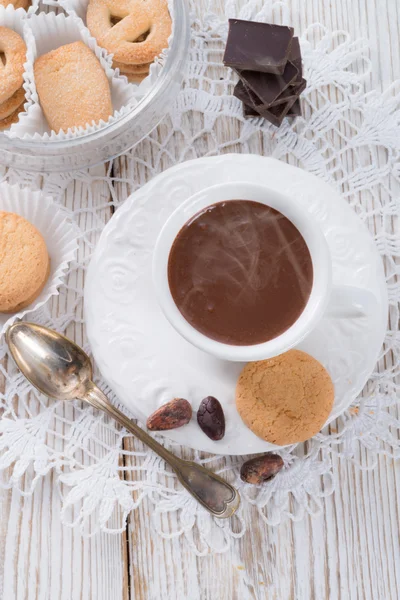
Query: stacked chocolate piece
pixel 267 59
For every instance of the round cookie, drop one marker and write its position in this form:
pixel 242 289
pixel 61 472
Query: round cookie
pixel 14 49
pixel 132 69
pixel 13 118
pixel 286 399
pixel 24 262
pixel 16 3
pixel 12 104
pixel 141 33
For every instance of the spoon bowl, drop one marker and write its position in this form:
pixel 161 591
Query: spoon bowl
pixel 51 362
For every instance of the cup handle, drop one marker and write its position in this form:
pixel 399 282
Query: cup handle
pixel 348 302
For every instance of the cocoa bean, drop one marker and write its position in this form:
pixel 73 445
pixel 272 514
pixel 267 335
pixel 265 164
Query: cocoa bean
pixel 171 415
pixel 261 468
pixel 211 418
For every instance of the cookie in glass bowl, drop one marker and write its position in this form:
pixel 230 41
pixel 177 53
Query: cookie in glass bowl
pixel 25 4
pixel 12 93
pixel 72 86
pixel 134 31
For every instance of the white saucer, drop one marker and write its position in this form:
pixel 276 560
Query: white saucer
pixel 147 363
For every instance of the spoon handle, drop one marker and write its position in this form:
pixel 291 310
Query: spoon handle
pixel 214 493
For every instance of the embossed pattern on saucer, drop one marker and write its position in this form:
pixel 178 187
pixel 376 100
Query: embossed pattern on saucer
pixel 146 362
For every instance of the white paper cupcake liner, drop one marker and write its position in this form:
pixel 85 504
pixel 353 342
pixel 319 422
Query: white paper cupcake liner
pixel 79 8
pixel 57 231
pixel 16 19
pixel 51 31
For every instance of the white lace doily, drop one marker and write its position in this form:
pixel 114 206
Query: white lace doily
pixel 349 138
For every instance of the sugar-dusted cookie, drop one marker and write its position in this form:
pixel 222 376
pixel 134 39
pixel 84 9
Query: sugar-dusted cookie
pixel 12 118
pixel 12 69
pixel 285 399
pixel 24 262
pixel 11 105
pixel 16 3
pixel 132 69
pixel 72 86
pixel 134 31
pixel 135 73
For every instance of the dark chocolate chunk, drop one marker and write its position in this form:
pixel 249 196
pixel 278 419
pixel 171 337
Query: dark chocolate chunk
pixel 295 110
pixel 243 93
pixel 269 87
pixel 247 96
pixel 258 46
pixel 276 114
pixel 292 93
pixel 273 114
pixel 249 111
pixel 295 57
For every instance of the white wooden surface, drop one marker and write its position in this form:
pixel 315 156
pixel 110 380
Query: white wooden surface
pixel 352 551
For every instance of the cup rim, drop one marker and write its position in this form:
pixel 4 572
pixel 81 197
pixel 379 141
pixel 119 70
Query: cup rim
pixel 309 229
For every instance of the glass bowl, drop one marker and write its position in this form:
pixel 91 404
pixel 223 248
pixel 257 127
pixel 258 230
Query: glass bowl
pixel 117 137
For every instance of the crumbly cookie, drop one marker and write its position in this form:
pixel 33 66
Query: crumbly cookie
pixel 16 3
pixel 72 86
pixel 286 399
pixel 11 73
pixel 134 31
pixel 133 73
pixel 132 69
pixel 11 105
pixel 24 262
pixel 13 118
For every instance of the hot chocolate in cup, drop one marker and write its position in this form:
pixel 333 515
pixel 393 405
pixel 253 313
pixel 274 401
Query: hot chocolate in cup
pixel 244 273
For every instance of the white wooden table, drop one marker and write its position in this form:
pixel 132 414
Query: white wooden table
pixel 351 551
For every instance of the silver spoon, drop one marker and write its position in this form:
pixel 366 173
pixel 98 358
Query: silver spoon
pixel 58 368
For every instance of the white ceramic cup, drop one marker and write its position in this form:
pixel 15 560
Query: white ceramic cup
pixel 343 301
